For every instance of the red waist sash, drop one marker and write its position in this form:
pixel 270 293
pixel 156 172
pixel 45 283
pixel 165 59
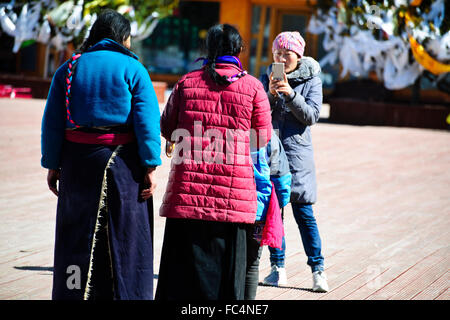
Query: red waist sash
pixel 111 139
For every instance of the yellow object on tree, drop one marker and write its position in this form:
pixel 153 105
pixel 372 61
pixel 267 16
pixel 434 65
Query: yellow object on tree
pixel 415 3
pixel 428 62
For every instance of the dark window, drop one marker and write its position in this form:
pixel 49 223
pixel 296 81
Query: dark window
pixel 7 57
pixel 178 40
pixel 28 61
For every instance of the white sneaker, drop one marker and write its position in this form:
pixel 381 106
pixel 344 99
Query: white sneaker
pixel 320 282
pixel 277 277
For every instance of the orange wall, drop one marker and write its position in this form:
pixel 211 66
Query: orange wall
pixel 239 13
pixel 286 3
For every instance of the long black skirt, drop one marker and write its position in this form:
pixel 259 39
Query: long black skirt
pixel 103 243
pixel 202 260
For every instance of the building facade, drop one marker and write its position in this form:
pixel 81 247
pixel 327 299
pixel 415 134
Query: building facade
pixel 179 40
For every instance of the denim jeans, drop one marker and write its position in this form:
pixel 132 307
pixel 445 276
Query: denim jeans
pixel 306 222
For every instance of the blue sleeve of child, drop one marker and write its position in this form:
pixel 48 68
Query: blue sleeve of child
pixel 280 174
pixel 282 186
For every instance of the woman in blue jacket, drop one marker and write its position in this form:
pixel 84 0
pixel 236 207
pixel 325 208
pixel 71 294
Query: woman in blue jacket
pixel 296 102
pixel 101 142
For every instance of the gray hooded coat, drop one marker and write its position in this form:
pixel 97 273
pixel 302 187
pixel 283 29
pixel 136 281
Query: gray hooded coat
pixel 291 119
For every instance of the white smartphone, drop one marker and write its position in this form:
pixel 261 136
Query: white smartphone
pixel 278 70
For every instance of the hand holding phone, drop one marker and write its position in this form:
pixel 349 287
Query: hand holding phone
pixel 279 86
pixel 278 71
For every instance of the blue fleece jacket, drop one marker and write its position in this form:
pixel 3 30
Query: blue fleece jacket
pixel 109 87
pixel 270 165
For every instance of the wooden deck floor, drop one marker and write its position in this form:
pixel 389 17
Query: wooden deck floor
pixel 383 213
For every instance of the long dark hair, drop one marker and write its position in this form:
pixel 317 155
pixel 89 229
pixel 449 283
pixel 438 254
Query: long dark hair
pixel 221 40
pixel 109 24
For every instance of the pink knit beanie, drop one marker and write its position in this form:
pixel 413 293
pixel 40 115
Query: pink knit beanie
pixel 291 41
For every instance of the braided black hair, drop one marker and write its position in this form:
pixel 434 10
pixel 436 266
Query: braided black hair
pixel 221 40
pixel 109 24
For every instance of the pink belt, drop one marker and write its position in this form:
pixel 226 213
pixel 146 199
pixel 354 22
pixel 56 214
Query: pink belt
pixel 111 139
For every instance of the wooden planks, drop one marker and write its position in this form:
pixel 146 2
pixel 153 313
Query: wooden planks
pixel 382 213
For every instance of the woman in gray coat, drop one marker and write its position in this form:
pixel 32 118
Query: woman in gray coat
pixel 296 102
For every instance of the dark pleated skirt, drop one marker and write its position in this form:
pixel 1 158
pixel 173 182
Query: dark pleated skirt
pixel 103 240
pixel 202 260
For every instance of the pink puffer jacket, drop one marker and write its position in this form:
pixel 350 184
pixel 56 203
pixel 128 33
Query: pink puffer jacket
pixel 211 176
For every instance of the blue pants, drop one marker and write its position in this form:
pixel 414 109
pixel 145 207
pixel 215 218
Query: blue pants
pixel 304 216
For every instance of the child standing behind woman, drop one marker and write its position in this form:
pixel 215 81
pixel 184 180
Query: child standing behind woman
pixel 273 184
pixel 211 205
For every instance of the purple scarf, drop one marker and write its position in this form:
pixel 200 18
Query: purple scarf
pixel 227 59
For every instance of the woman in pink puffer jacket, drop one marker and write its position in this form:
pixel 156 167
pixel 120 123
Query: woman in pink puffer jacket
pixel 211 199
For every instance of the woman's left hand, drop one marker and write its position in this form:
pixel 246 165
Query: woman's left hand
pixel 52 179
pixel 149 183
pixel 282 86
